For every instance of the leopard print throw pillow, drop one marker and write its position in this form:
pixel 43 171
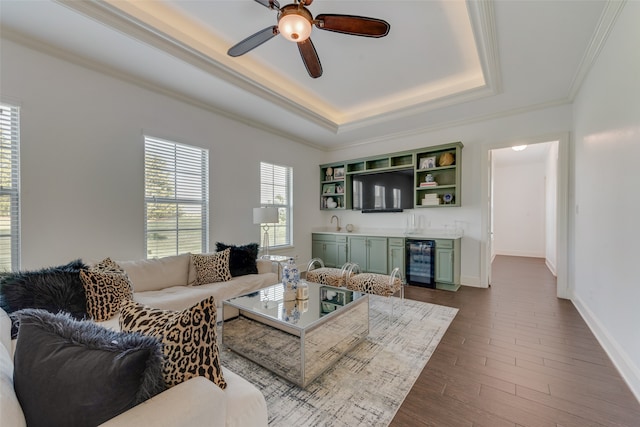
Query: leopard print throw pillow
pixel 189 338
pixel 212 268
pixel 106 286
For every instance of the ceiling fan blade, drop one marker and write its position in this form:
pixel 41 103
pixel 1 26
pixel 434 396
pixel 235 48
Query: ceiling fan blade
pixel 310 58
pixel 354 25
pixel 271 4
pixel 253 41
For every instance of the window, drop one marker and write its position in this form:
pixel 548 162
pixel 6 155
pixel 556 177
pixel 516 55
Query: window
pixel 176 198
pixel 9 188
pixel 275 190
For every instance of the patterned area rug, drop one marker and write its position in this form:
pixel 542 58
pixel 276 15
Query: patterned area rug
pixel 366 386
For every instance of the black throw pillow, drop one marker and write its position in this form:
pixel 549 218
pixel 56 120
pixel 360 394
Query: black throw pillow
pixel 53 289
pixel 77 373
pixel 242 260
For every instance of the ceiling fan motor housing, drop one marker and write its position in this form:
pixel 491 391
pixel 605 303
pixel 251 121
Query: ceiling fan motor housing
pixel 294 22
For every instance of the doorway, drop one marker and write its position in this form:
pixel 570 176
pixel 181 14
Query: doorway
pixel 533 219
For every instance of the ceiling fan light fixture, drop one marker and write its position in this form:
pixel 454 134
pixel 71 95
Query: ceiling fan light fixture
pixel 295 23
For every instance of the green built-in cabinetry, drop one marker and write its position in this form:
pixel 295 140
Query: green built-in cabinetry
pixel 447 260
pixel 395 256
pixel 438 176
pixel 370 253
pixel 437 173
pixel 380 254
pixel 333 186
pixel 330 248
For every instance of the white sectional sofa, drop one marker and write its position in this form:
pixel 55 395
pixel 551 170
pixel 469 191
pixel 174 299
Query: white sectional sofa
pixel 167 283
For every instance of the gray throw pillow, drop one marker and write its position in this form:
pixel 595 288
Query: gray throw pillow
pixel 77 373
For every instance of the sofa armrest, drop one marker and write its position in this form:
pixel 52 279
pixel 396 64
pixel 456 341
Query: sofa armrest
pixel 195 402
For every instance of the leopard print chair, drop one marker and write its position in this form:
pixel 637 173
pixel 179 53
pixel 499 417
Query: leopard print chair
pixel 329 276
pixel 378 284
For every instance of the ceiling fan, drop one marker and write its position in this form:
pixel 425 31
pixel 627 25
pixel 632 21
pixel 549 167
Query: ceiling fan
pixel 294 23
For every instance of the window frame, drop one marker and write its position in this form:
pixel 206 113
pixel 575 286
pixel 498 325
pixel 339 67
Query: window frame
pixel 269 198
pixel 10 121
pixel 159 147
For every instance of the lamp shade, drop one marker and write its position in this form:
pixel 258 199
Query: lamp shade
pixel 265 215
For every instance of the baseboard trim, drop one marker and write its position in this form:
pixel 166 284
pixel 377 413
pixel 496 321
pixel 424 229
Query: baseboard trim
pixel 551 267
pixel 472 281
pixel 624 364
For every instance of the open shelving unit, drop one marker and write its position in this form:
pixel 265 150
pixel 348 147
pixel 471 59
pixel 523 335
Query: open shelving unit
pixel 441 162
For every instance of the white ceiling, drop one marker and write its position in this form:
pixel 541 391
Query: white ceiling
pixel 444 62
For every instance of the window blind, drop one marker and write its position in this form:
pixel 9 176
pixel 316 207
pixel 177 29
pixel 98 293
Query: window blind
pixel 9 188
pixel 176 198
pixel 275 191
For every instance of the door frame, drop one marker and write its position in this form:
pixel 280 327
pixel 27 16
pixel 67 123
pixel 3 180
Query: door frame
pixel 562 202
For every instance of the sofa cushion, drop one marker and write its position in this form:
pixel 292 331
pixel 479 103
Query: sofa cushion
pixel 189 338
pixel 211 268
pixel 106 286
pixel 10 407
pixel 242 259
pixel 10 410
pixel 53 289
pixel 158 273
pixel 70 372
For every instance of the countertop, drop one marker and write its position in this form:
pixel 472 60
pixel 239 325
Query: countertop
pixel 421 234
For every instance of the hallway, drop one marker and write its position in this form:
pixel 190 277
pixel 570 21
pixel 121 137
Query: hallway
pixel 516 355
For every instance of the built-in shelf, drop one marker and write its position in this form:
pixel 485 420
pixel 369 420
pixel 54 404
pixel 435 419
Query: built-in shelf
pixel 441 163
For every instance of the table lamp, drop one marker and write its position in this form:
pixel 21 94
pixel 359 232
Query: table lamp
pixel 265 216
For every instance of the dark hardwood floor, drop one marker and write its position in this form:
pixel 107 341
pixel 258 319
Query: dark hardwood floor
pixel 515 355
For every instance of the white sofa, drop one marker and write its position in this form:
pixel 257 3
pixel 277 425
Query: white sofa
pixel 167 283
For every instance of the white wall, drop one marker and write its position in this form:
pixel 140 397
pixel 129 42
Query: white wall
pixel 519 209
pixel 82 162
pixel 606 208
pixel 476 137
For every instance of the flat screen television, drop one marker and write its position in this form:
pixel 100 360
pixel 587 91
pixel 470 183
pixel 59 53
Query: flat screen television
pixel 390 191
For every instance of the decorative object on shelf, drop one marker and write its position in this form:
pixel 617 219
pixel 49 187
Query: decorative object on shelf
pixel 331 204
pixel 429 181
pixel 446 159
pixel 338 173
pixel 339 189
pixel 428 162
pixel 329 174
pixel 349 228
pixel 431 199
pixel 290 280
pixel 447 198
pixel 265 216
pixel 329 188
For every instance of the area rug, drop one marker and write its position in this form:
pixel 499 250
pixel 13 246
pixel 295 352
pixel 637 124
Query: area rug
pixel 366 386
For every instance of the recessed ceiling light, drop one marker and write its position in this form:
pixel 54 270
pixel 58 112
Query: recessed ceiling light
pixel 519 147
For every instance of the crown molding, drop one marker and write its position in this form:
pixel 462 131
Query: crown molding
pixel 105 69
pixel 483 23
pixel 148 29
pixel 127 24
pixel 605 25
pixel 451 124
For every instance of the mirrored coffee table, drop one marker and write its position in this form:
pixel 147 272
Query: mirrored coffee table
pixel 297 340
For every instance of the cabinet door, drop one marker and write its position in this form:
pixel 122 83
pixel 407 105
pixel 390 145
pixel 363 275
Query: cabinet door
pixel 317 249
pixel 358 251
pixel 330 254
pixel 396 258
pixel 444 265
pixel 377 255
pixel 341 254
